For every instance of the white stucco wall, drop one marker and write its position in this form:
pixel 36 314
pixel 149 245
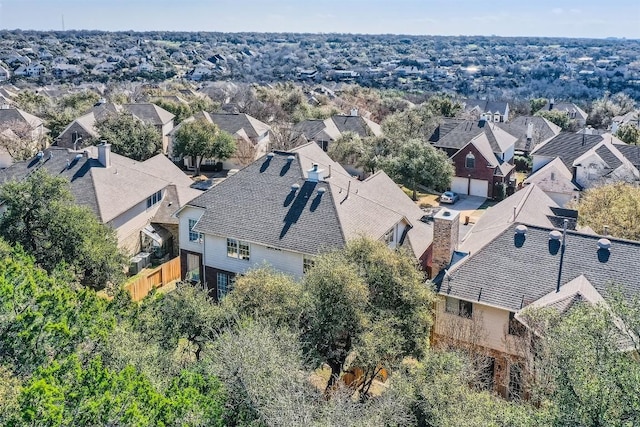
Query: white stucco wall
pixel 129 223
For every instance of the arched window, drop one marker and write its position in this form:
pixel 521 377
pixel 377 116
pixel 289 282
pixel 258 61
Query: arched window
pixel 470 161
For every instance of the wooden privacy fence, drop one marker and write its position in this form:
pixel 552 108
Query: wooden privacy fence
pixel 159 276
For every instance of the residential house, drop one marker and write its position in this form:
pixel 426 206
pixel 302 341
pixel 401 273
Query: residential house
pixel 31 70
pixel 4 73
pixel 556 180
pixel 62 70
pixel 19 125
pixel 494 111
pixel 286 208
pixel 482 154
pixel 593 160
pixel 569 108
pixel 323 132
pixel 252 138
pixel 125 194
pixel 530 131
pixel 512 260
pixel 82 131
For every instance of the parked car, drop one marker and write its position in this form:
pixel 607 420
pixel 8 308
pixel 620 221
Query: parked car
pixel 449 197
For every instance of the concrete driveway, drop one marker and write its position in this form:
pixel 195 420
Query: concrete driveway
pixel 466 203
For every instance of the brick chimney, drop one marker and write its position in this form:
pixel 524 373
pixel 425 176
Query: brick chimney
pixel 446 230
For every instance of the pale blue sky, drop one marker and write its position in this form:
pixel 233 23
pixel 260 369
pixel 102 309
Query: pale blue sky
pixel 578 18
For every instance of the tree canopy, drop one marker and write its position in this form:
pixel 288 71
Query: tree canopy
pixel 40 215
pixel 200 140
pixel 129 136
pixel 614 206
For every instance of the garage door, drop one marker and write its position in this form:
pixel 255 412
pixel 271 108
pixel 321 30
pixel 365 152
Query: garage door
pixel 460 185
pixel 479 188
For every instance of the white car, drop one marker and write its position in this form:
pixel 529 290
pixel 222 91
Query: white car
pixel 449 197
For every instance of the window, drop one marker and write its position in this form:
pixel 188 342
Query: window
pixel 225 284
pixel 459 307
pixel 388 237
pixel 307 264
pixel 238 249
pixel 486 368
pixel 470 161
pixel 515 327
pixel 515 381
pixel 194 236
pixel 156 198
pixel 193 268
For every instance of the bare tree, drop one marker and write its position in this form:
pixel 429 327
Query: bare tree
pixel 20 139
pixel 284 137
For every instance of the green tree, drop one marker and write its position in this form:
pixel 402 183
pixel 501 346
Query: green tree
pixel 419 163
pixel 614 206
pixel 584 365
pixel 414 123
pixel 32 102
pixel 444 106
pixel 40 215
pixel 201 139
pixel 180 110
pixel 267 295
pixel 537 104
pixel 368 305
pixel 348 148
pixel 558 118
pixel 629 133
pixel 129 136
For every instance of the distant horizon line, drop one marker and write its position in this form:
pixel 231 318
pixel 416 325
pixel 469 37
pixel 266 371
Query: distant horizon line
pixel 318 33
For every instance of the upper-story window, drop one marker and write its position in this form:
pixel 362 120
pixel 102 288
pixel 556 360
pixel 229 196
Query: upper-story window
pixel 238 249
pixel 154 199
pixel 459 307
pixel 194 236
pixel 470 161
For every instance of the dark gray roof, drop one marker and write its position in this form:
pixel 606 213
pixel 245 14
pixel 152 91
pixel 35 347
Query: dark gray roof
pixel 309 128
pixel 486 106
pixel 55 162
pixel 568 146
pixel 257 204
pixel 518 128
pixel 456 133
pixel 631 152
pixel 355 124
pixel 233 122
pixel 605 154
pixel 512 273
pixel 150 113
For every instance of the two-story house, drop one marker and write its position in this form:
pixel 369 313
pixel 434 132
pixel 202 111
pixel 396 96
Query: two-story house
pixel 323 132
pixel 125 194
pixel 512 260
pixel 286 208
pixel 482 154
pixel 252 138
pixel 572 162
pixel 82 131
pixel 494 111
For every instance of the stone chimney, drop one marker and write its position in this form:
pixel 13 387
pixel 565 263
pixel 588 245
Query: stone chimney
pixel 551 103
pixel 315 174
pixel 104 154
pixel 446 230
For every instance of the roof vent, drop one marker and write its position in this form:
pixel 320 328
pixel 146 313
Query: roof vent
pixel 555 235
pixel 446 213
pixel 291 158
pixel 604 244
pixel 321 190
pixel 270 155
pixel 295 187
pixel 521 229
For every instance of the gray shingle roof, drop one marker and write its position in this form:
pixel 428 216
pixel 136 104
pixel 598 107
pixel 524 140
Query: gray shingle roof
pixel 486 106
pixel 605 154
pixel 150 113
pixel 512 273
pixel 456 133
pixel 108 192
pixel 631 152
pixel 234 122
pixel 257 204
pixel 568 146
pixel 542 130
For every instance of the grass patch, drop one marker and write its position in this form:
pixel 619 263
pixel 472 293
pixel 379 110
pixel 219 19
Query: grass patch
pixel 487 204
